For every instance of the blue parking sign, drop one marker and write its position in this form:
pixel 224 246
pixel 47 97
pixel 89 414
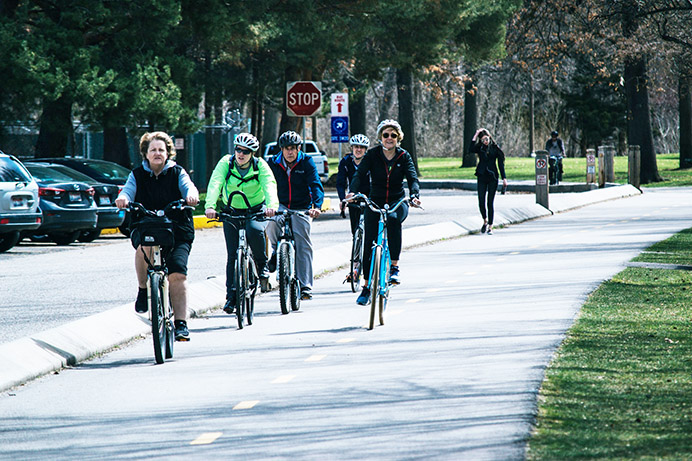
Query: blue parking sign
pixel 339 129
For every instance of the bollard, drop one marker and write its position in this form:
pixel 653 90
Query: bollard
pixel 601 167
pixel 634 162
pixel 542 178
pixel 590 166
pixel 608 162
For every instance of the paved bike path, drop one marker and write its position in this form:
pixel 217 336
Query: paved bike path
pixel 47 351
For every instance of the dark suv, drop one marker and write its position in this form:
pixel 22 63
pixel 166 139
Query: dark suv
pixel 19 210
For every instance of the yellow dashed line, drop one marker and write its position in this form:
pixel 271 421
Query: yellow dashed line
pixel 206 438
pixel 246 405
pixel 432 290
pixel 414 300
pixel 533 247
pixel 283 379
pixel 315 358
pixel 470 273
pixel 514 253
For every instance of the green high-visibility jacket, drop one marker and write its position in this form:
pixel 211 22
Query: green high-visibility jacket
pixel 258 184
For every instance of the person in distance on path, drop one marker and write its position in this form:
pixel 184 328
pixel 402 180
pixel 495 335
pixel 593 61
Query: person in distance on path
pixel 491 166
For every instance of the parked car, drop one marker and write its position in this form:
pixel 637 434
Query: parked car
pixel 311 149
pixel 68 206
pixel 19 203
pixel 108 215
pixel 101 170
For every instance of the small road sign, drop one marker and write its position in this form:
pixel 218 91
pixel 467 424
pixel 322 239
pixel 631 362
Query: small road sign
pixel 339 129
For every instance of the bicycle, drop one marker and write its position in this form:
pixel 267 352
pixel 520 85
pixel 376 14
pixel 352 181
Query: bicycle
pixel 380 261
pixel 357 247
pixel 289 286
pixel 156 231
pixel 246 278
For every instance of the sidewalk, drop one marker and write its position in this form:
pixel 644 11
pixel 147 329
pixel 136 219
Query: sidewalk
pixel 51 350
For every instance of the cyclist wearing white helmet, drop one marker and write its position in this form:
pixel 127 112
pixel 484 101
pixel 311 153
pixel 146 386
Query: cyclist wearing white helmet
pixel 251 175
pixel 299 188
pixel 347 168
pixel 385 167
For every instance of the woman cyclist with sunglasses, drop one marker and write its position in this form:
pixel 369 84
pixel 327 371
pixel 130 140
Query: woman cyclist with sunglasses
pixel 387 165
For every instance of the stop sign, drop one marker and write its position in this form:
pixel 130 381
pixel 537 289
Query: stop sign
pixel 303 99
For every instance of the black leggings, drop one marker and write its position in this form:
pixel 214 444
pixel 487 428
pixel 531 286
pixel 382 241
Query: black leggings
pixel 489 185
pixel 393 235
pixel 254 233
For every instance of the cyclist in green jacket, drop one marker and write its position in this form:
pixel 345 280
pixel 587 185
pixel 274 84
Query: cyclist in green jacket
pixel 251 175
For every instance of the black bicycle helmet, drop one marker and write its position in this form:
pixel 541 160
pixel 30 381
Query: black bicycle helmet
pixel 290 138
pixel 554 133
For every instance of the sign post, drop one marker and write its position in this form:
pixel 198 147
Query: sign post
pixel 542 178
pixel 339 119
pixel 590 166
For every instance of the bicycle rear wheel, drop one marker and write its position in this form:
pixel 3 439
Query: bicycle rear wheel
pixel 239 284
pixel 375 285
pixel 356 259
pixel 284 264
pixel 158 316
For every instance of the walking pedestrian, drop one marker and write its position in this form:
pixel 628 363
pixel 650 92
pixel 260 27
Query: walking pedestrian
pixel 491 167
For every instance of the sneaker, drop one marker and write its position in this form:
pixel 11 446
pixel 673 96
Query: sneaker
pixel 394 275
pixel 271 264
pixel 142 303
pixel 490 230
pixel 305 295
pixel 484 227
pixel 364 297
pixel 264 283
pixel 229 307
pixel 181 332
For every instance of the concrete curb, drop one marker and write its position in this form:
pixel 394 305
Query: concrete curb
pixel 31 357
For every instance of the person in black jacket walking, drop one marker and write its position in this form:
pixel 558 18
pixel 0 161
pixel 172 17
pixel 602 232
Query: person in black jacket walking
pixel 491 166
pixel 387 165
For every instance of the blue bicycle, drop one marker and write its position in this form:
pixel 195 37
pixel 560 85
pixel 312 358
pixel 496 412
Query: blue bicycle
pixel 380 262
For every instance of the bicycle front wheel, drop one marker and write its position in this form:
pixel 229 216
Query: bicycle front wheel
pixel 158 316
pixel 239 284
pixel 356 259
pixel 252 284
pixel 284 264
pixel 375 285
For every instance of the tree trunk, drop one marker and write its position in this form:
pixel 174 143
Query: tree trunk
pixel 685 102
pixel 388 96
pixel 639 117
pixel 357 111
pixel 115 147
pixel 470 120
pixel 270 129
pixel 55 134
pixel 404 80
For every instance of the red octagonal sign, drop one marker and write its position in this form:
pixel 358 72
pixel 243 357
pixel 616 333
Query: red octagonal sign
pixel 303 99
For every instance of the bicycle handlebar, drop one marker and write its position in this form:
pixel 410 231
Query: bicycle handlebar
pixel 376 208
pixel 174 205
pixel 292 212
pixel 221 216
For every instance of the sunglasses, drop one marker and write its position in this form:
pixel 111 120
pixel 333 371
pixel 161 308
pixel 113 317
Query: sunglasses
pixel 240 150
pixel 390 135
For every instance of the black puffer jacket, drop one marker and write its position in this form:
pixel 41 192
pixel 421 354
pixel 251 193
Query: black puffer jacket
pixel 490 159
pixel 386 179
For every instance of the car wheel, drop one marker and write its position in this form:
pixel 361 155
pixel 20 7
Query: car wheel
pixel 8 240
pixel 89 236
pixel 64 238
pixel 39 238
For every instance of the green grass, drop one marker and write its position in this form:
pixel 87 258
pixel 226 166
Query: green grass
pixel 620 385
pixel 522 168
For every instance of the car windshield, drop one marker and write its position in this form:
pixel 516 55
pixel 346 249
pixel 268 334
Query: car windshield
pixel 47 174
pixel 11 171
pixel 109 170
pixel 74 174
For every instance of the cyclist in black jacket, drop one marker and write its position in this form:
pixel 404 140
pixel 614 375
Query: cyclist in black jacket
pixel 387 165
pixel 347 169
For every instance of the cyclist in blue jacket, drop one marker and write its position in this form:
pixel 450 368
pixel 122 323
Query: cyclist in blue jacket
pixel 347 169
pixel 299 188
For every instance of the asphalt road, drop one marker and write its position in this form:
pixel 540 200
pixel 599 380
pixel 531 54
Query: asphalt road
pixel 453 374
pixel 45 285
